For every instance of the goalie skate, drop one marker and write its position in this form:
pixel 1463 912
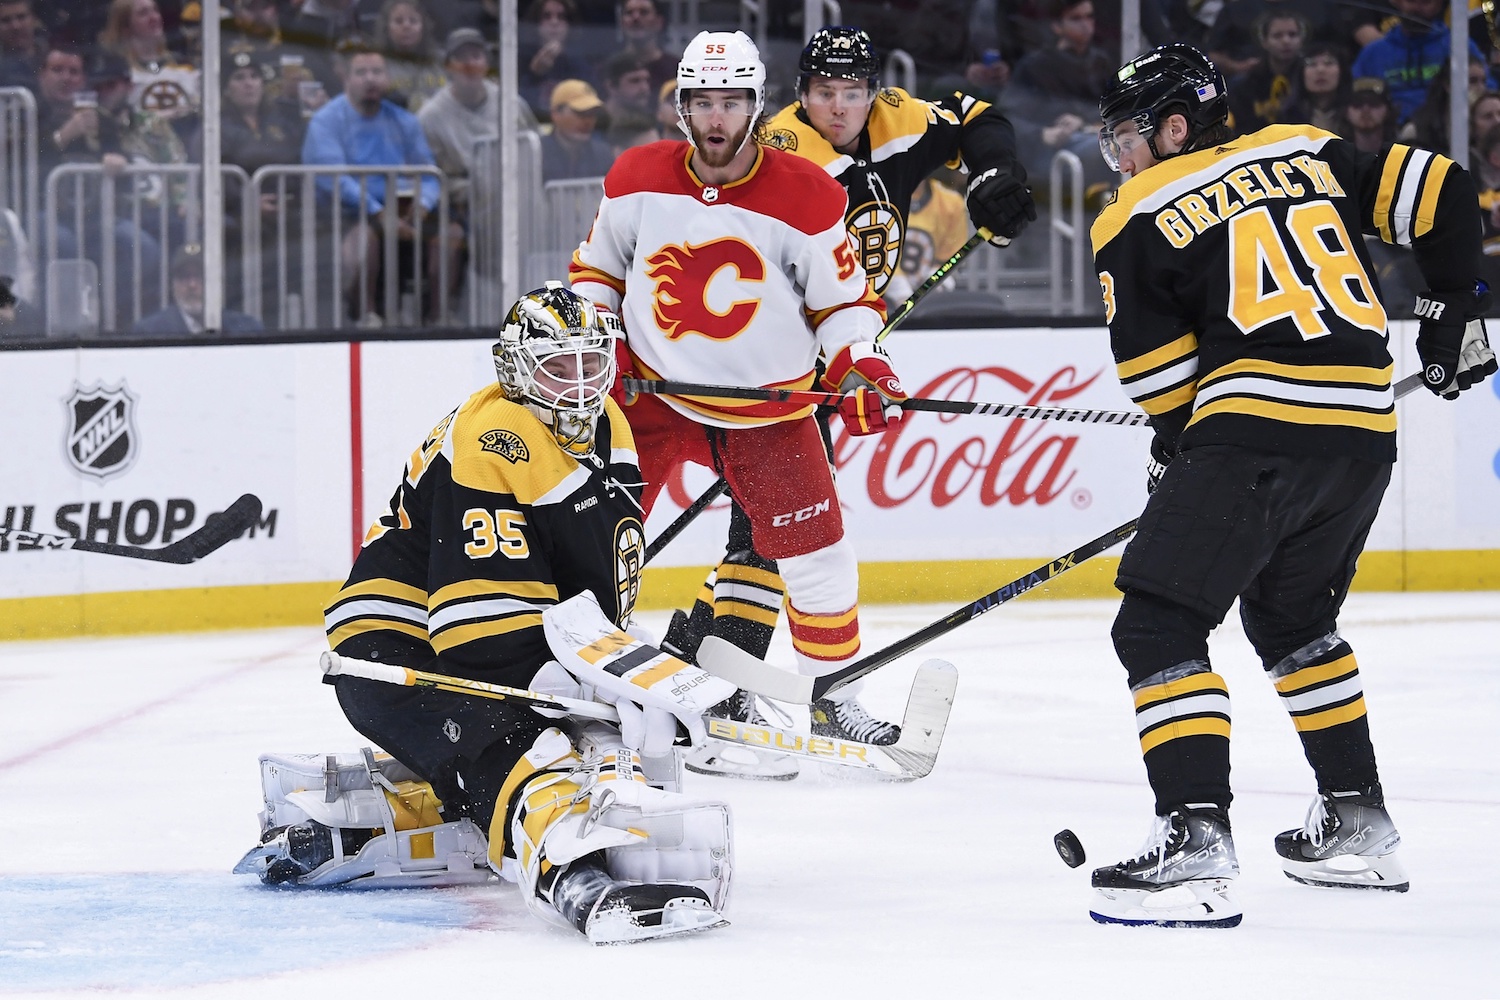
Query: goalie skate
pixel 611 912
pixel 1348 842
pixel 728 760
pixel 1181 878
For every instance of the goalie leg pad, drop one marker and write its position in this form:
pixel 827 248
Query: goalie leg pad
pixel 364 818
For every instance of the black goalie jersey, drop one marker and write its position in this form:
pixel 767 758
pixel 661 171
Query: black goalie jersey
pixel 904 140
pixel 491 524
pixel 1238 289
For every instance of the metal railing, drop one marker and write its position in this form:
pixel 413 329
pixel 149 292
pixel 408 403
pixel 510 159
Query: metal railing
pixel 19 178
pixel 294 245
pixel 1067 227
pixel 901 70
pixel 95 207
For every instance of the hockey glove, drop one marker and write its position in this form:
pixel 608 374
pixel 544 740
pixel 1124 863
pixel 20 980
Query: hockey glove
pixel 872 404
pixel 1156 465
pixel 1451 340
pixel 1000 201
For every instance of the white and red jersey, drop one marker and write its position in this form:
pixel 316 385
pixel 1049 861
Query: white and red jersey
pixel 742 284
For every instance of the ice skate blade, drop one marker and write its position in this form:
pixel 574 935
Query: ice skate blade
pixel 1350 871
pixel 1196 903
pixel 679 918
pixel 742 762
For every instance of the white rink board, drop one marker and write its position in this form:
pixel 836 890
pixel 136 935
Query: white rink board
pixel 274 419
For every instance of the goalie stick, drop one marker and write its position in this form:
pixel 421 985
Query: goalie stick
pixel 897 318
pixel 217 530
pixel 724 659
pixel 910 757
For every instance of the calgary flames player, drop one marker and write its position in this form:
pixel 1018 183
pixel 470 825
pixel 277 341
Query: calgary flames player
pixel 729 263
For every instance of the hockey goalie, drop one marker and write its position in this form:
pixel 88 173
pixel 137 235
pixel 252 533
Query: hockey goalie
pixel 519 513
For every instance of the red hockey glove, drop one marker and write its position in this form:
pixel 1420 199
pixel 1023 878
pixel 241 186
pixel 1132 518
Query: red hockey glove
pixel 873 392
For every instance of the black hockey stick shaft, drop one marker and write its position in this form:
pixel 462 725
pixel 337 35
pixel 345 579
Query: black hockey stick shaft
pixel 1015 588
pixel 717 489
pixel 686 517
pixel 817 397
pixel 217 530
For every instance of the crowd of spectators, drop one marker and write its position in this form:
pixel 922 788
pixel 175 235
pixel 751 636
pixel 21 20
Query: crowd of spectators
pixel 411 82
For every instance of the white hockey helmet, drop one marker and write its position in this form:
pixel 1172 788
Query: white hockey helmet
pixel 720 60
pixel 542 330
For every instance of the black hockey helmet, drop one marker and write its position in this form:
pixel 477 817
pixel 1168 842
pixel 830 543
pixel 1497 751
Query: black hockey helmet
pixel 840 52
pixel 1170 79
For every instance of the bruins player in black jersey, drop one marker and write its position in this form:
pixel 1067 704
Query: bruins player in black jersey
pixel 879 143
pixel 524 496
pixel 1245 320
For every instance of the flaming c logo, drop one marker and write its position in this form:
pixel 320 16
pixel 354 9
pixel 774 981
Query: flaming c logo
pixel 682 275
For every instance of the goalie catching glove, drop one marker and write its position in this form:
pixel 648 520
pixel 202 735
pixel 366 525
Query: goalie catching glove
pixel 1000 201
pixel 1452 342
pixel 872 392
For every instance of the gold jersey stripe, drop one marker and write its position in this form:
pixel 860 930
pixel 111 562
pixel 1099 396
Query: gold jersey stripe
pixel 526 590
pixel 382 587
pixel 1294 413
pixel 731 607
pixel 1358 374
pixel 1308 676
pixel 1204 681
pixel 752 574
pixel 1432 186
pixel 1329 718
pixel 1165 354
pixel 460 634
pixel 361 626
pixel 1184 727
pixel 1389 176
pixel 579 271
pixel 1168 401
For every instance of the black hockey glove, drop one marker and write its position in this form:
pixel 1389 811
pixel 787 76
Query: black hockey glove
pixel 1452 341
pixel 1156 464
pixel 1000 201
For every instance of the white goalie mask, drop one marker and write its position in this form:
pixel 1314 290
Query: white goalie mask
pixel 556 355
pixel 720 60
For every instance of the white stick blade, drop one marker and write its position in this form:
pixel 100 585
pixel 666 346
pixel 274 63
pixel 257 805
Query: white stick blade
pixel 723 658
pixel 926 718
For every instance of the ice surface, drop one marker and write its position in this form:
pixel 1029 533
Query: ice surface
pixel 129 788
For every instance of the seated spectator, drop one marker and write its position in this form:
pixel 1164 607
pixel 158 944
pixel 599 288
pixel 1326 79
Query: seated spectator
pixel 253 31
pixel 72 130
pixel 361 128
pixel 22 44
pixel 184 317
pixel 629 108
pixel 412 57
pixel 1410 55
pixel 667 126
pixel 1320 94
pixel 1485 167
pixel 572 149
pixel 937 226
pixel 163 82
pixel 1372 118
pixel 313 34
pixel 642 25
pixel 1234 41
pixel 1428 126
pixel 1257 95
pixel 545 55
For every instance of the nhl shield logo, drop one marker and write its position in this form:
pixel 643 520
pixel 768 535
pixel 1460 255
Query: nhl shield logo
pixel 102 438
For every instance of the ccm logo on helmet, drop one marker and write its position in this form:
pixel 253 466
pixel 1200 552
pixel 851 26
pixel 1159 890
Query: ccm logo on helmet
pixel 806 513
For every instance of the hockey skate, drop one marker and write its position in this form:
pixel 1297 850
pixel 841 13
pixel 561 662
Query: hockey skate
pixel 1181 878
pixel 730 761
pixel 1347 842
pixel 848 720
pixel 611 912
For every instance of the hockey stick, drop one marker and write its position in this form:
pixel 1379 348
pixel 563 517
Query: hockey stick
pixel 815 397
pixel 686 517
pixel 912 756
pixel 724 659
pixel 217 530
pixel 717 489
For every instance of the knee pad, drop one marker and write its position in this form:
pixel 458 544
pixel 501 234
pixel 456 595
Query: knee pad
pixel 562 807
pixel 331 819
pixel 1152 634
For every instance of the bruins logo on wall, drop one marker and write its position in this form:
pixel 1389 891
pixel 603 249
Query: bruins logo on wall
pixel 780 138
pixel 507 444
pixel 878 233
pixel 630 558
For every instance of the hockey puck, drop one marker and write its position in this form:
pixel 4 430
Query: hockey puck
pixel 1069 848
